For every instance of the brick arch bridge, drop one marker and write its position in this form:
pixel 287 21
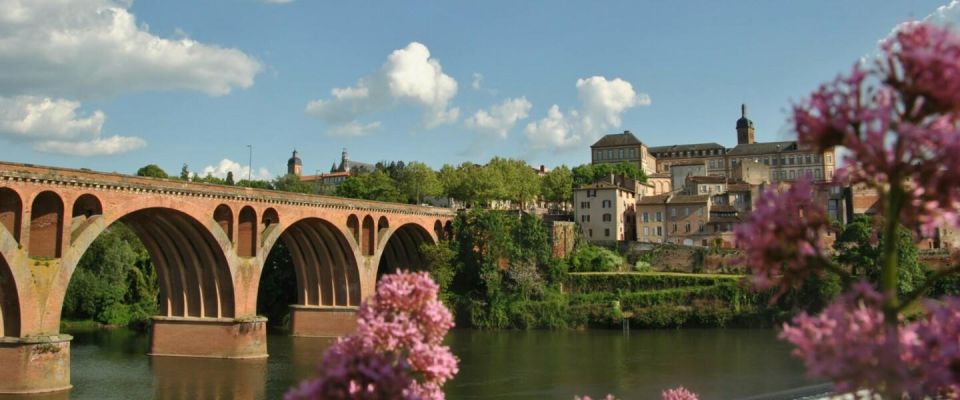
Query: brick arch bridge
pixel 208 243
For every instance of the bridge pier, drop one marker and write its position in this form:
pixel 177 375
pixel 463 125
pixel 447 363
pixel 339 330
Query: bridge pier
pixel 209 337
pixel 322 321
pixel 36 364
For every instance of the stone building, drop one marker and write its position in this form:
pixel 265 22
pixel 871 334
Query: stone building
pixel 337 174
pixel 623 147
pixel 606 210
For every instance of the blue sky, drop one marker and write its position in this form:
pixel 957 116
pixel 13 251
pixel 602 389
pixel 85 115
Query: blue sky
pixel 120 85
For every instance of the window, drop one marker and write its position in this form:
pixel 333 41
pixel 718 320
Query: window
pixel 599 155
pixel 700 228
pixel 686 211
pixel 713 164
pixel 591 192
pixel 591 233
pixel 674 228
pixel 790 174
pixel 659 216
pixel 659 231
pixel 584 218
pixel 809 159
pixel 646 231
pixel 646 217
pixel 818 174
pixel 703 189
pixel 620 153
pixel 606 204
pixel 718 189
pixel 606 232
pixel 673 212
pixel 584 204
pixel 816 158
pixel 607 217
pixel 700 212
pixel 609 154
pixel 829 159
pixel 686 228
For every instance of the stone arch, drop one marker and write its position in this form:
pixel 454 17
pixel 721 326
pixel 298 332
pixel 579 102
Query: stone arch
pixel 438 229
pixel 402 250
pixel 87 206
pixel 353 224
pixel 11 212
pixel 325 265
pixel 224 217
pixel 383 224
pixel 192 271
pixel 270 217
pixel 367 240
pixel 46 226
pixel 247 232
pixel 448 230
pixel 9 302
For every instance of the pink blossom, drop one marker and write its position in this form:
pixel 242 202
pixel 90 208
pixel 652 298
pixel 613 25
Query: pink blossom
pixel 938 349
pixel 607 397
pixel 679 393
pixel 399 338
pixel 783 237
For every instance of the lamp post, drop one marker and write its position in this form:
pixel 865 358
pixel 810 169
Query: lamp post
pixel 250 164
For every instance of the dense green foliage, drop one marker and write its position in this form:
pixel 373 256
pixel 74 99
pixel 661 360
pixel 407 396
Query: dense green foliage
pixel 858 247
pixel 373 186
pixel 152 171
pixel 557 186
pixel 115 282
pixel 278 286
pixel 590 173
pixel 500 179
pixel 590 258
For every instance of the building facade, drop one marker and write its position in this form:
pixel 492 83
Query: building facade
pixel 606 212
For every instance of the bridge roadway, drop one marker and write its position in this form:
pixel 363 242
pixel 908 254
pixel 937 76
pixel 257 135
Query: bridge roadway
pixel 208 244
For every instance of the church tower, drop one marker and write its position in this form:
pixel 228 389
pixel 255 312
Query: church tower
pixel 745 133
pixel 294 165
pixel 344 161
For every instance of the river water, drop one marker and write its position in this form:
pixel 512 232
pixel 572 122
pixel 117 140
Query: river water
pixel 717 363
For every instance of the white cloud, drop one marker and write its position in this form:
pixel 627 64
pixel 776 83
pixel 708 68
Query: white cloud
pixel 354 128
pixel 945 15
pixel 94 48
pixel 54 126
pixel 408 76
pixel 239 171
pixel 477 80
pixel 602 103
pixel 96 147
pixel 501 118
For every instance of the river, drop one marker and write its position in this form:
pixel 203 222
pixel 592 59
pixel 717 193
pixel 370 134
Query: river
pixel 717 363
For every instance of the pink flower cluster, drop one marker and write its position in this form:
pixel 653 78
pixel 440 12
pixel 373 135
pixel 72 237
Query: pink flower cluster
pixel 679 393
pixel 850 344
pixel 899 119
pixel 397 348
pixel 783 234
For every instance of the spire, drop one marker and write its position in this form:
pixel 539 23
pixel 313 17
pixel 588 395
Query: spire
pixel 743 110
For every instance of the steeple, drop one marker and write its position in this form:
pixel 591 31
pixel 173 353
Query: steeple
pixel 294 165
pixel 745 131
pixel 344 161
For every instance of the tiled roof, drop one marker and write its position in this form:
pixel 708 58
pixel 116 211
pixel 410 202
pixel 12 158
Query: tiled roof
pixel 707 179
pixel 603 185
pixel 762 148
pixel 617 139
pixel 687 199
pixel 686 147
pixel 658 199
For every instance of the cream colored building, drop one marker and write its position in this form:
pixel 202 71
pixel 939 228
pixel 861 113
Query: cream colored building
pixel 605 212
pixel 623 147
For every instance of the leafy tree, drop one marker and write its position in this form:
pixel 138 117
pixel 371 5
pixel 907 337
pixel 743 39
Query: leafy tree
pixel 152 171
pixel 557 186
pixel 291 183
pixel 115 282
pixel 256 184
pixel 512 180
pixel 185 172
pixel 278 286
pixel 417 180
pixel 229 180
pixel 440 264
pixel 589 173
pixel 373 186
pixel 209 178
pixel 858 247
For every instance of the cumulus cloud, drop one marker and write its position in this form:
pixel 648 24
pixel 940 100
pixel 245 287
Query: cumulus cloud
pixel 477 80
pixel 501 117
pixel 55 53
pixel 602 103
pixel 945 15
pixel 96 147
pixel 239 171
pixel 95 48
pixel 56 126
pixel 354 128
pixel 409 76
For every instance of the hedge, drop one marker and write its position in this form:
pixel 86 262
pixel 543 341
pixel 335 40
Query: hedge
pixel 594 282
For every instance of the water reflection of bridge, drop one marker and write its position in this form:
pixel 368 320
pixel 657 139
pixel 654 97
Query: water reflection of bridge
pixel 208 243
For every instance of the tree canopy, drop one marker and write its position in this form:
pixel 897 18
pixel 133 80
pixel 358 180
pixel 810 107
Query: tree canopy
pixel 152 171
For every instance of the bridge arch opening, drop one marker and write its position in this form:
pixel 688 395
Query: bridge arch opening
pixel 46 226
pixel 353 224
pixel 86 206
pixel 403 250
pixel 382 226
pixel 247 233
pixel 9 302
pixel 270 217
pixel 438 228
pixel 368 242
pixel 11 212
pixel 224 217
pixel 312 265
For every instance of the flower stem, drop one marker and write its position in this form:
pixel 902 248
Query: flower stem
pixel 888 273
